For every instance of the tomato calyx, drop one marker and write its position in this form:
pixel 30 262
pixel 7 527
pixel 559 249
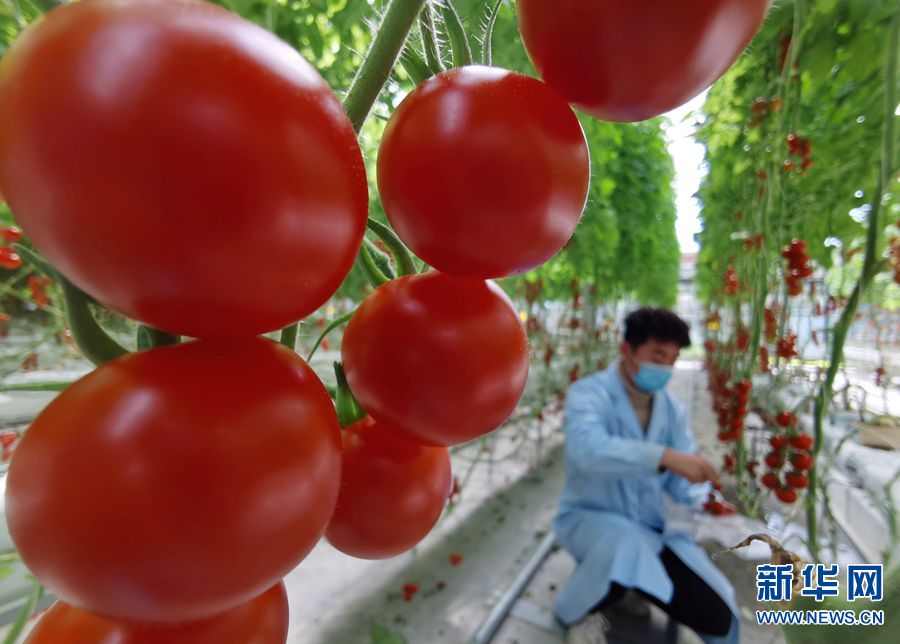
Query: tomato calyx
pixel 346 405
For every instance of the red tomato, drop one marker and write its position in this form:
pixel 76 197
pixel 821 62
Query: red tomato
pixel 483 172
pixel 263 620
pixel 801 441
pixel 442 358
pixel 796 479
pixel 10 233
pixel 786 494
pixel 176 483
pixel 627 60
pixel 180 164
pixel 770 480
pixel 802 461
pixel 9 259
pixel 775 459
pixel 785 419
pixel 392 491
pixel 777 442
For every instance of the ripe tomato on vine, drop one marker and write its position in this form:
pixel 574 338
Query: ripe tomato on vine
pixel 672 51
pixel 208 188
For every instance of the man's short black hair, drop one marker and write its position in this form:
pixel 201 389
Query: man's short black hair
pixel 658 324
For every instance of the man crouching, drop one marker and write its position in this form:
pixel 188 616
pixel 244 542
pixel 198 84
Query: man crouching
pixel 627 442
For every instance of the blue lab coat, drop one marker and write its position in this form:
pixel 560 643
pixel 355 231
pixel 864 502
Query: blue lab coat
pixel 613 500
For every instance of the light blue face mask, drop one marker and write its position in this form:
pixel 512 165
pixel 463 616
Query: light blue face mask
pixel 652 377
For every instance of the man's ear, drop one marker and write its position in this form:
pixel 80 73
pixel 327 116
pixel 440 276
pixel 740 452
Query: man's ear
pixel 625 349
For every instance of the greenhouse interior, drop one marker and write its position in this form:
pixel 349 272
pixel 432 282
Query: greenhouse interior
pixel 449 321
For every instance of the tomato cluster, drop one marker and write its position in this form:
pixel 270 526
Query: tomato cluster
pixel 786 347
pixel 730 403
pixel 208 183
pixel 801 149
pixel 798 266
pixel 755 242
pixel 789 445
pixel 763 107
pixel 730 281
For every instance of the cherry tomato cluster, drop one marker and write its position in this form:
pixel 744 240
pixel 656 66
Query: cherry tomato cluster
pixel 755 242
pixel 730 281
pixel 37 286
pixel 786 347
pixel 789 445
pixel 763 107
pixel 730 404
pixel 800 148
pixel 770 323
pixel 798 266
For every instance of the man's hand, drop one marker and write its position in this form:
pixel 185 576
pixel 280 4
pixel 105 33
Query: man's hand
pixel 695 469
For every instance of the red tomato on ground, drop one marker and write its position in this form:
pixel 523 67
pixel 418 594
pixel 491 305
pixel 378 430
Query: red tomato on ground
pixel 180 164
pixel 263 620
pixel 483 172
pixel 627 60
pixel 392 491
pixel 176 483
pixel 442 358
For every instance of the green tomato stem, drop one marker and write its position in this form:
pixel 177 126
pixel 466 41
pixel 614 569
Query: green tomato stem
pixel 37 261
pixel 405 265
pixel 379 62
pixel 34 598
pixel 161 338
pixel 347 407
pixel 459 42
pixel 289 336
pixel 96 345
pixel 426 28
pixel 369 268
pixel 414 66
pixel 328 329
pixel 487 47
